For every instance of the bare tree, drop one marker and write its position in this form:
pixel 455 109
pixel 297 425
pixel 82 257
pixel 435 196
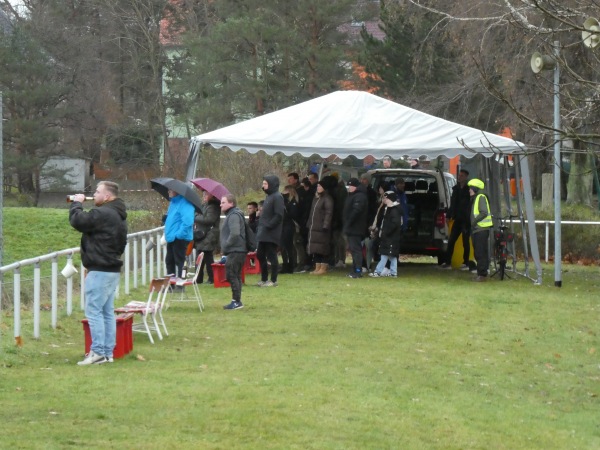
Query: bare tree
pixel 499 39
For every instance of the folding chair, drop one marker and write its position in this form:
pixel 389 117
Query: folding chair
pixel 178 282
pixel 151 307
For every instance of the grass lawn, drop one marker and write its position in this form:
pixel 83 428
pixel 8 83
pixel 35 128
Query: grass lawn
pixel 428 360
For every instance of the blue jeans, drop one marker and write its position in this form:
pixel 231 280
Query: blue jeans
pixel 100 290
pixel 383 261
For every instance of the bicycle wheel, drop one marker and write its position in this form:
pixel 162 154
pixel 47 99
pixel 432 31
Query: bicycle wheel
pixel 501 269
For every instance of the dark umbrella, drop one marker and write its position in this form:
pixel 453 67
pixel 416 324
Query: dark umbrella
pixel 162 186
pixel 211 186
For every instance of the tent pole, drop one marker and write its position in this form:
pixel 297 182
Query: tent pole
pixel 535 251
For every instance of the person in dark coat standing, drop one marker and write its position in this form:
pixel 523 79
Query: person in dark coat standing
pixel 268 235
pixel 319 225
pixel 389 235
pixel 233 246
pixel 355 223
pixel 290 220
pixel 460 213
pixel 206 224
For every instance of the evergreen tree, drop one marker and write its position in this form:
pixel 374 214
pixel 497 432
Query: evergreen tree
pixel 34 105
pixel 259 56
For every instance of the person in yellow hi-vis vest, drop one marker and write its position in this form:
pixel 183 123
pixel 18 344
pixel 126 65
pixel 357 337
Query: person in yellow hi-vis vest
pixel 481 224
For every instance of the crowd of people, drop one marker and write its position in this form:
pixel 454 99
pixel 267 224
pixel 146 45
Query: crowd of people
pixel 313 223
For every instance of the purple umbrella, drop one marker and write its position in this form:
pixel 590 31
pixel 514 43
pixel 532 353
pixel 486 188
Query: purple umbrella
pixel 211 186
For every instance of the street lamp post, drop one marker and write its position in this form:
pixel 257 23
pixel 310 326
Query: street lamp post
pixel 538 63
pixel 557 174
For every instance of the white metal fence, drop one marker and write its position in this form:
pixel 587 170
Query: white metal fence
pixel 143 260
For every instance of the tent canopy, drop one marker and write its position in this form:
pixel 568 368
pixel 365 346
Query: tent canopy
pixel 356 123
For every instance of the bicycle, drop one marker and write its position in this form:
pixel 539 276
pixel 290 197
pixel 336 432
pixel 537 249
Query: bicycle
pixel 502 239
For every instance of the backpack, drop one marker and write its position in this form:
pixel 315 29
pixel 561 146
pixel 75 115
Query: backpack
pixel 249 236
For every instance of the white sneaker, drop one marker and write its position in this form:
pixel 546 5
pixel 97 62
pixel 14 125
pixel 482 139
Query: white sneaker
pixel 92 358
pixel 385 272
pixel 464 267
pixel 340 265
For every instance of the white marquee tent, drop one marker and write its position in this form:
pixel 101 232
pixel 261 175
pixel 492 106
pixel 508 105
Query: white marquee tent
pixel 346 123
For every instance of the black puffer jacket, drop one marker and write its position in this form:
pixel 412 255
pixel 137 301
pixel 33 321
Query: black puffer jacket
pixel 391 226
pixel 104 236
pixel 355 212
pixel 271 216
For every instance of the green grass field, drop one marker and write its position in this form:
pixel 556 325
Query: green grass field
pixel 427 360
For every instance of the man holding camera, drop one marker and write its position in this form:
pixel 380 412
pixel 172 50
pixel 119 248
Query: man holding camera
pixel 103 241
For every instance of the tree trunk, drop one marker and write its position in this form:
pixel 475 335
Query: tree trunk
pixel 579 187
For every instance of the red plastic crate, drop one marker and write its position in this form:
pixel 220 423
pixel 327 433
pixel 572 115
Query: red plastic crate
pixel 252 266
pixel 124 343
pixel 219 276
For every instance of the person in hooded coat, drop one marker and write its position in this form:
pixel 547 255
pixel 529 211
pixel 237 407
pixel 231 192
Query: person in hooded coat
pixel 389 235
pixel 319 225
pixel 268 234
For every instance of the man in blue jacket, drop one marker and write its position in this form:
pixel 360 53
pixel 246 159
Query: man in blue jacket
pixel 179 231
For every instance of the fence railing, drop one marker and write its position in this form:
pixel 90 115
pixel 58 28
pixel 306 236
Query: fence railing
pixel 547 224
pixel 142 261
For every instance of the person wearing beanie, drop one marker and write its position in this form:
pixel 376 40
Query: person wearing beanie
pixel 389 235
pixel 268 234
pixel 319 228
pixel 355 223
pixel 481 224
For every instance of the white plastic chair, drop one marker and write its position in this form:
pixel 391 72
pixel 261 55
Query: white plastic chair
pixel 183 296
pixel 151 307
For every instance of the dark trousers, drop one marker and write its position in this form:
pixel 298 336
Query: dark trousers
pixel 481 249
pixel 267 251
pixel 175 257
pixel 233 273
pixel 206 262
pixel 459 228
pixel 355 248
pixel 288 251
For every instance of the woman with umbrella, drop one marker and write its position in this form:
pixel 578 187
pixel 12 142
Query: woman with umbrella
pixel 178 232
pixel 206 233
pixel 179 221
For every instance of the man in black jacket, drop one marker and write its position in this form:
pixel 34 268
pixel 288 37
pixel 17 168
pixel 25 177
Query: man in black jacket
pixel 268 235
pixel 460 211
pixel 355 223
pixel 103 241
